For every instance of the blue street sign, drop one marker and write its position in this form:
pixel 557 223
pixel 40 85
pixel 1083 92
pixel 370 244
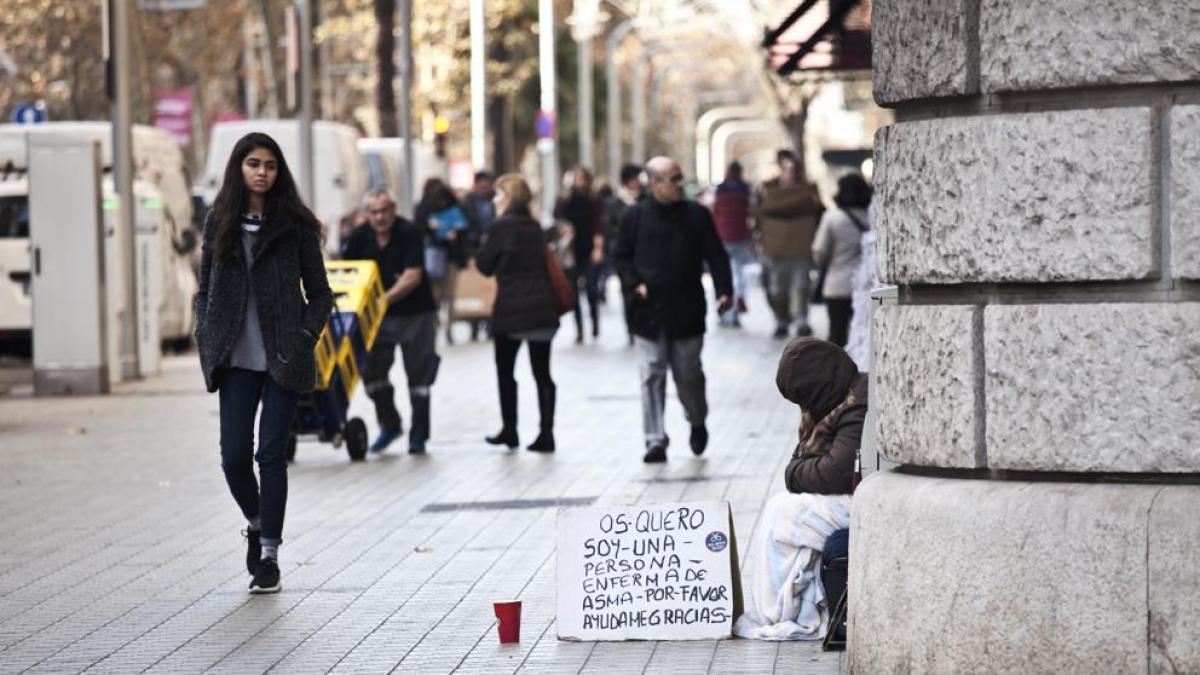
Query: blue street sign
pixel 545 125
pixel 29 113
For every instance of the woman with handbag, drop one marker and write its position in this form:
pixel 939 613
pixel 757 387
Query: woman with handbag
pixel 529 301
pixel 836 250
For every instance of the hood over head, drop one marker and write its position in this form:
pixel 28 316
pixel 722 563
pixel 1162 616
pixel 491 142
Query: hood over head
pixel 815 375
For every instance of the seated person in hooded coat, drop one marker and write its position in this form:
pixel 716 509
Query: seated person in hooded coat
pixel 783 594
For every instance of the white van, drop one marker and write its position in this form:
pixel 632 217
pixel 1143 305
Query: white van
pixel 340 176
pixel 15 305
pixel 385 162
pixel 160 182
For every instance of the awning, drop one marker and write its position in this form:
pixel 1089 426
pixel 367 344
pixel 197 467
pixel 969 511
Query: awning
pixel 822 35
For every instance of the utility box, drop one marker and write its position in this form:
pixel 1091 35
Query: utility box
pixel 70 354
pixel 871 459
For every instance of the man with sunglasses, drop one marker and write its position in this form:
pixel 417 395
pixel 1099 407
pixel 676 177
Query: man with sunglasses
pixel 664 244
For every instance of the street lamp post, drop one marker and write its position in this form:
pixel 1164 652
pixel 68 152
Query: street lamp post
pixel 547 145
pixel 583 20
pixel 118 52
pixel 613 93
pixel 478 31
pixel 305 108
pixel 405 63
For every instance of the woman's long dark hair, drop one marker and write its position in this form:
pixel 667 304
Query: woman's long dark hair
pixel 282 204
pixel 853 192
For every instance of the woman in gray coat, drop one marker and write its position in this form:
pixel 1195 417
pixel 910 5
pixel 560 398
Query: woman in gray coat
pixel 262 301
pixel 837 248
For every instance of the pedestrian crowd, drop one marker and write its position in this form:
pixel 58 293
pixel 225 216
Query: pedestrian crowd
pixel 263 301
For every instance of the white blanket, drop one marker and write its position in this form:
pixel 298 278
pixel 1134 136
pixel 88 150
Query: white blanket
pixel 784 597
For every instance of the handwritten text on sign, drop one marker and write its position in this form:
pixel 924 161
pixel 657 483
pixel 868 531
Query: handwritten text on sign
pixel 646 572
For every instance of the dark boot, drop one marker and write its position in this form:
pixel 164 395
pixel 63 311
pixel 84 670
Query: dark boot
pixel 546 401
pixel 384 398
pixel 508 415
pixel 419 433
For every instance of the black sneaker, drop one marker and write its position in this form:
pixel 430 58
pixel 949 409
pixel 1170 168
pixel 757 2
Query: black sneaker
pixel 657 454
pixel 266 578
pixel 699 440
pixel 780 332
pixel 253 549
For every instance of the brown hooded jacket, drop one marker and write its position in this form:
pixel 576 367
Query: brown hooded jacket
pixel 820 378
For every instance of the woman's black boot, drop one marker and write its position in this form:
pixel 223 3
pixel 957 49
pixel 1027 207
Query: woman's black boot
pixel 543 443
pixel 545 439
pixel 506 437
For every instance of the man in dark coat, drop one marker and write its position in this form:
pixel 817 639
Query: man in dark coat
pixel 663 246
pixel 398 247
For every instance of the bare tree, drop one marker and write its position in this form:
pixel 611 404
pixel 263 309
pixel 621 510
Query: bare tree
pixel 385 55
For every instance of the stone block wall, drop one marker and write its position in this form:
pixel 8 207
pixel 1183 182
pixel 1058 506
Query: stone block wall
pixel 1039 378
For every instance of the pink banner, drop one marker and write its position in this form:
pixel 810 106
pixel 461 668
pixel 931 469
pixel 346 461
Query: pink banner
pixel 173 112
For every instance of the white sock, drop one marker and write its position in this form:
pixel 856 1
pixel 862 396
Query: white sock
pixel 254 525
pixel 270 551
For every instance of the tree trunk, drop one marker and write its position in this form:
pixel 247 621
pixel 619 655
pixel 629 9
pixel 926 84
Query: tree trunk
pixel 271 72
pixel 385 54
pixel 497 120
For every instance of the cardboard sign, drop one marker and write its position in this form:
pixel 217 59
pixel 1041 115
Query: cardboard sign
pixel 647 572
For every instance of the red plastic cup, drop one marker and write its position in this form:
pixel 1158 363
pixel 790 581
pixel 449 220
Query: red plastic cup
pixel 509 614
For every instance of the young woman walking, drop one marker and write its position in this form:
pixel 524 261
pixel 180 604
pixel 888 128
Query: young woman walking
pixel 525 308
pixel 262 301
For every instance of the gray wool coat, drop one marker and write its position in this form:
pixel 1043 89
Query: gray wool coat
pixel 291 316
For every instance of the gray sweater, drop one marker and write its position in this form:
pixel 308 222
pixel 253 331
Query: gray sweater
pixel 248 351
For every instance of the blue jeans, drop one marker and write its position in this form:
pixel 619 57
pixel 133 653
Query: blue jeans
pixel 740 255
pixel 240 393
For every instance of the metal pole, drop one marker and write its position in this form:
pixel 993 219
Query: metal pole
pixel 584 45
pixel 249 59
pixel 305 94
pixel 548 147
pixel 324 57
pixel 122 130
pixel 405 63
pixel 613 78
pixel 265 45
pixel 478 86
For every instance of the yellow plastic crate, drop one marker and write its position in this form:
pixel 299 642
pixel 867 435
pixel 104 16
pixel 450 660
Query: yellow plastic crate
pixel 349 368
pixel 357 288
pixel 325 353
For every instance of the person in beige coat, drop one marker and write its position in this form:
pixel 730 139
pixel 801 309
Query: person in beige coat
pixel 788 212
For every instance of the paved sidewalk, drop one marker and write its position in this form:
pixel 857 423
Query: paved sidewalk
pixel 120 552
